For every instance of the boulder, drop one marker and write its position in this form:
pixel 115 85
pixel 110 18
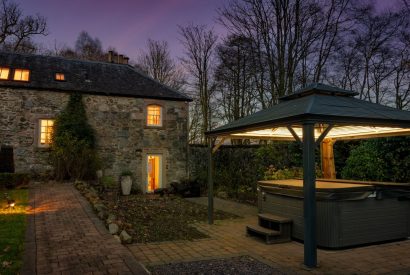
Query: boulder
pixel 117 238
pixel 111 218
pixel 102 214
pixel 99 207
pixel 113 228
pixel 125 237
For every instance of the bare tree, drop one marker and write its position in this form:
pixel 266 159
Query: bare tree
pixel 234 77
pixel 158 64
pixel 89 48
pixel 199 43
pixel 17 30
pixel 294 39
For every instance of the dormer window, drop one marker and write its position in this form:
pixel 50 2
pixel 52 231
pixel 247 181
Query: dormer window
pixel 59 77
pixel 4 73
pixel 154 115
pixel 21 75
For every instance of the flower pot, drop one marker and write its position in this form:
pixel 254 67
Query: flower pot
pixel 99 174
pixel 126 183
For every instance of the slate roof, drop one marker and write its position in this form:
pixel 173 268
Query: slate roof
pixel 320 106
pixel 86 77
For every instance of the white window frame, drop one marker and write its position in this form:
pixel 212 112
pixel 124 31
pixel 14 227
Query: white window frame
pixel 21 75
pixel 39 144
pixel 161 116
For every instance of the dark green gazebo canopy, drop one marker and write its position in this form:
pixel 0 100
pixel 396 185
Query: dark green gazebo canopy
pixel 322 104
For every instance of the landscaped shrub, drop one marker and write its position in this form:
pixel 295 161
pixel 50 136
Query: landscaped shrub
pixel 239 167
pixel 383 159
pixel 12 180
pixel 73 148
pixel 109 182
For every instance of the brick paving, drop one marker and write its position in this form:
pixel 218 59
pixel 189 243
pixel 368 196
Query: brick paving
pixel 228 239
pixel 69 238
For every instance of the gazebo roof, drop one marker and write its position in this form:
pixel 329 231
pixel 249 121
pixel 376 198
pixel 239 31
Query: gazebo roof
pixel 324 105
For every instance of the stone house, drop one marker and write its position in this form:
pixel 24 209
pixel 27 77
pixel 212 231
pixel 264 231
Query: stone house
pixel 140 125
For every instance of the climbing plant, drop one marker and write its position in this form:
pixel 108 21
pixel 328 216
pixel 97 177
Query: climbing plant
pixel 73 152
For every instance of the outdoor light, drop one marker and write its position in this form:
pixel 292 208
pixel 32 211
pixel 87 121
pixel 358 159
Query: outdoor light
pixel 11 203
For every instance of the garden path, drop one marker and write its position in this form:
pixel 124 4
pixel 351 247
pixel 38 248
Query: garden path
pixel 65 237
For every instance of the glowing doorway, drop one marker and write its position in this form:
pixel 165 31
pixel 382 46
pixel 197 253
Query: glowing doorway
pixel 154 171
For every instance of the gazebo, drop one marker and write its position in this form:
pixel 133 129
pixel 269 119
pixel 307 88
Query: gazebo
pixel 317 115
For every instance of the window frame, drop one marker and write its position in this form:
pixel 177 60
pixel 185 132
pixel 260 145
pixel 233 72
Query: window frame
pixel 161 115
pixel 8 74
pixel 59 80
pixel 39 132
pixel 21 80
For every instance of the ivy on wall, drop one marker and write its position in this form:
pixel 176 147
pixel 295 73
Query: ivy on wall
pixel 73 152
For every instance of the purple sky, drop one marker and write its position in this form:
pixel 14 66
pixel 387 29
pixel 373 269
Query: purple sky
pixel 126 24
pixel 123 24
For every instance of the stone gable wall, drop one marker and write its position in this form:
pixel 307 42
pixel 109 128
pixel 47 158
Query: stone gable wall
pixel 123 139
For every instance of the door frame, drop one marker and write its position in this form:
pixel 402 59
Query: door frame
pixel 161 171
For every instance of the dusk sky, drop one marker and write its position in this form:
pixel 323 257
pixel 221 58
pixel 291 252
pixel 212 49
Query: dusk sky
pixel 126 24
pixel 123 24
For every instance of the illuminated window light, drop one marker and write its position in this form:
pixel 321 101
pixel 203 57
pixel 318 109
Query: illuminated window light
pixel 59 77
pixel 21 75
pixel 4 73
pixel 154 115
pixel 46 131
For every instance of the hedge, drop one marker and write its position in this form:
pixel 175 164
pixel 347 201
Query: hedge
pixel 12 180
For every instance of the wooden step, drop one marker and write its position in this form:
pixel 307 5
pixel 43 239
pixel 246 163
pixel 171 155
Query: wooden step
pixel 270 236
pixel 274 218
pixel 262 230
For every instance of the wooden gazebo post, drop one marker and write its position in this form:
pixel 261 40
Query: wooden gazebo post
pixel 309 192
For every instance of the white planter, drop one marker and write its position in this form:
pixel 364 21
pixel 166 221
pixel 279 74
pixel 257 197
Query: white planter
pixel 99 174
pixel 126 183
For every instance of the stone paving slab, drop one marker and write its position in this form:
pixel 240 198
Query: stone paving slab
pixel 228 239
pixel 70 239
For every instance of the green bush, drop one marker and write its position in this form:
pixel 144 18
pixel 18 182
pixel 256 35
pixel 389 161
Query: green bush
pixel 383 159
pixel 73 148
pixel 12 180
pixel 239 167
pixel 109 182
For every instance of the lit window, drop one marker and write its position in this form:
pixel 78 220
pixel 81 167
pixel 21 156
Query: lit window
pixel 21 74
pixel 4 73
pixel 154 115
pixel 46 130
pixel 60 77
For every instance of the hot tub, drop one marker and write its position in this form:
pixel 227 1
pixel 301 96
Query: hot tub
pixel 349 213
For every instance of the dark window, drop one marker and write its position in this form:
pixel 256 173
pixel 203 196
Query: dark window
pixel 6 159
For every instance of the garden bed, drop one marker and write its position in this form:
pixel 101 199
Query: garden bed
pixel 149 217
pixel 234 266
pixel 154 218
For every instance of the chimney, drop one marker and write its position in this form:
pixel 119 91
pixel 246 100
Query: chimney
pixel 126 59
pixel 120 58
pixel 110 56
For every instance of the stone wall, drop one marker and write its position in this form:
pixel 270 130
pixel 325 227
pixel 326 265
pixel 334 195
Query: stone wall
pixel 123 139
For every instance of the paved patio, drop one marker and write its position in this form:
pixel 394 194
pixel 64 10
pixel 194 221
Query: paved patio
pixel 65 237
pixel 227 239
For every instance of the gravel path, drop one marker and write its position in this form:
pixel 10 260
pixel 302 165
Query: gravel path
pixel 231 266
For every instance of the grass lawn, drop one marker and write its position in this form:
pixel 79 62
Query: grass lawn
pixel 12 231
pixel 151 218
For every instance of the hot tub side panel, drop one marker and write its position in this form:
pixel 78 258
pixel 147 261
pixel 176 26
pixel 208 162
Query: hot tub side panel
pixel 291 207
pixel 372 220
pixel 344 223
